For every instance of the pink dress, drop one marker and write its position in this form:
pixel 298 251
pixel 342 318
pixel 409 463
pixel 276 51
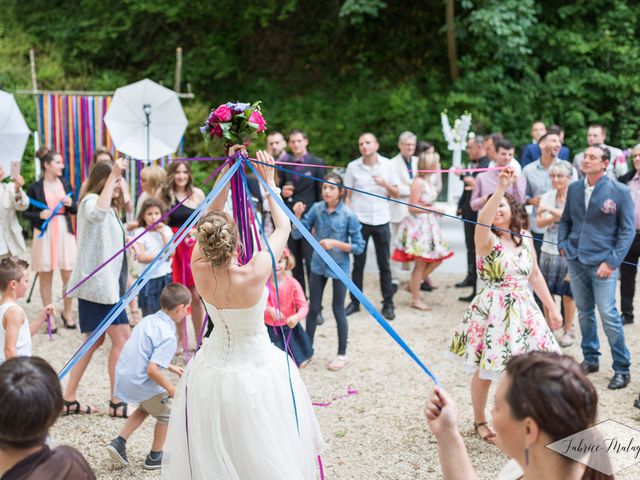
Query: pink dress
pixel 56 250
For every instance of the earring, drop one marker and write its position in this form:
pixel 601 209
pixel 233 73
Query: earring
pixel 526 457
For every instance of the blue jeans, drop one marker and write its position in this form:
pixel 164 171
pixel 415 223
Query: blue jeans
pixel 590 291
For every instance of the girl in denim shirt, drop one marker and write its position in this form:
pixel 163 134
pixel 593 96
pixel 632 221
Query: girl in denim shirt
pixel 337 229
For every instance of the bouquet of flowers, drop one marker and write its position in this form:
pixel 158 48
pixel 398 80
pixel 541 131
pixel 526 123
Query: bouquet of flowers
pixel 231 124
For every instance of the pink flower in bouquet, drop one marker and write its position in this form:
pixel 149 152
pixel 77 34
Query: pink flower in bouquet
pixel 223 114
pixel 257 118
pixel 216 130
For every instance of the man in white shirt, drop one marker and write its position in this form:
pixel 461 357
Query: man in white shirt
pixel 596 135
pixel 375 174
pixel 403 163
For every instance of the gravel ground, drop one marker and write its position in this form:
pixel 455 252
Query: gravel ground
pixel 379 433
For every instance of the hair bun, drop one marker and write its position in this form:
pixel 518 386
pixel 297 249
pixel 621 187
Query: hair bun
pixel 217 237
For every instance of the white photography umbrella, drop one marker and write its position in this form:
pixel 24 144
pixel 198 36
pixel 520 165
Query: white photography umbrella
pixel 145 120
pixel 14 132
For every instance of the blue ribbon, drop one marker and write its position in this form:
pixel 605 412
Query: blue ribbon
pixel 275 278
pixel 37 204
pixel 53 214
pixel 343 277
pixel 163 254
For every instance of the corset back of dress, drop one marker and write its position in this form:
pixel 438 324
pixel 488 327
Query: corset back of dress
pixel 239 337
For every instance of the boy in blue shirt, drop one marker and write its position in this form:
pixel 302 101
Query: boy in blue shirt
pixel 139 373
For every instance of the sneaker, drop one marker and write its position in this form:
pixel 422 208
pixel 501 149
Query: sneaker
pixel 337 363
pixel 118 451
pixel 153 463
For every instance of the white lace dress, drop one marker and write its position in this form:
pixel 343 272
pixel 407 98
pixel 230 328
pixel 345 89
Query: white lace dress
pixel 233 416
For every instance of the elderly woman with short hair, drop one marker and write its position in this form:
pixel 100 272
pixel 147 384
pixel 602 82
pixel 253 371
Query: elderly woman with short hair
pixel 553 266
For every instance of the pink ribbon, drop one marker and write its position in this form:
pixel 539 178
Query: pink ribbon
pixel 461 170
pixel 350 392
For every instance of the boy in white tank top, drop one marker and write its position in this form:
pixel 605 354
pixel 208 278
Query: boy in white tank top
pixel 15 330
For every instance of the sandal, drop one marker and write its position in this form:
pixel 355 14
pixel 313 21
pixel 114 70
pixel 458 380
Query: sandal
pixel 113 409
pixel 420 305
pixel 73 408
pixel 337 363
pixel 70 326
pixel 487 437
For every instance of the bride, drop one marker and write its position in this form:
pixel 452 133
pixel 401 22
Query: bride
pixel 238 412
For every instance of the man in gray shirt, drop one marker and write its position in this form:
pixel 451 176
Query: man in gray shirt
pixel 539 182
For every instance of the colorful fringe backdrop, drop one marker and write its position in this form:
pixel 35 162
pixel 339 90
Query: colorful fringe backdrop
pixel 73 125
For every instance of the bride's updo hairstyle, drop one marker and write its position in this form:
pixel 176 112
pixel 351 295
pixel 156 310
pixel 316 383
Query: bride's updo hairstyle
pixel 217 236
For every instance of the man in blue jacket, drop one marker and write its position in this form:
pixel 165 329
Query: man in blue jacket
pixel 596 231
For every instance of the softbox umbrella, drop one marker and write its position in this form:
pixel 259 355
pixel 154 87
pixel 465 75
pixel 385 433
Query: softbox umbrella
pixel 145 120
pixel 14 132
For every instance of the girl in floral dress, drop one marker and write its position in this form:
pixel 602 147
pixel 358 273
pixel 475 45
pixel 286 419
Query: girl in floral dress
pixel 419 236
pixel 503 319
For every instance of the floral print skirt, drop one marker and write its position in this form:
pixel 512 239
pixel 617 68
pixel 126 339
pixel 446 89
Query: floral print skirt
pixel 420 236
pixel 500 322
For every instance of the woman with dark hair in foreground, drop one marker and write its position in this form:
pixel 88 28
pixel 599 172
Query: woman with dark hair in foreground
pixel 543 397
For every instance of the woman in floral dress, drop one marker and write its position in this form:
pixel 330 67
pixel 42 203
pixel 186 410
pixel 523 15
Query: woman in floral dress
pixel 419 237
pixel 503 319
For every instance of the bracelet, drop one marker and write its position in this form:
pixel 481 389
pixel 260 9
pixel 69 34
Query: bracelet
pixel 276 190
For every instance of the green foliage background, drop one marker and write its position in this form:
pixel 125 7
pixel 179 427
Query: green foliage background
pixel 339 67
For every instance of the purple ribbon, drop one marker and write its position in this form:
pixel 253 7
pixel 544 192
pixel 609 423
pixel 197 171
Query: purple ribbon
pixel 135 239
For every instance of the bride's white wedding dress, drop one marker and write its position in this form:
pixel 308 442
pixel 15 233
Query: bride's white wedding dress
pixel 233 414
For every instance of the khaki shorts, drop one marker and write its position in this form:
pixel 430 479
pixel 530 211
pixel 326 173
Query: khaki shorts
pixel 157 409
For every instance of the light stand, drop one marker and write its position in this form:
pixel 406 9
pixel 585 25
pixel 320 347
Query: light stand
pixel 147 112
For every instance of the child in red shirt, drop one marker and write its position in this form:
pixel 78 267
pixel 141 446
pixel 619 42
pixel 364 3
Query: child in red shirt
pixel 284 326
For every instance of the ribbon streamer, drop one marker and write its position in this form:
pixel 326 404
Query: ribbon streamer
pixel 273 266
pixel 164 253
pixel 344 277
pixel 350 392
pixel 425 209
pixel 38 204
pixel 53 214
pixel 135 239
pixel 49 329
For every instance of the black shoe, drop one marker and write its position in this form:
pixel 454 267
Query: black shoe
pixel 320 319
pixel 637 403
pixel 467 282
pixel 353 307
pixel 589 367
pixel 67 324
pixel 153 463
pixel 118 450
pixel 394 287
pixel 468 298
pixel 627 319
pixel 388 312
pixel 619 380
pixel 425 287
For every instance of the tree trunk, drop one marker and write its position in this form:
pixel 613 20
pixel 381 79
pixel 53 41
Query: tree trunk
pixel 451 40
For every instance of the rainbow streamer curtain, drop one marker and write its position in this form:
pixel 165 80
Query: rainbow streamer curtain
pixel 73 125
